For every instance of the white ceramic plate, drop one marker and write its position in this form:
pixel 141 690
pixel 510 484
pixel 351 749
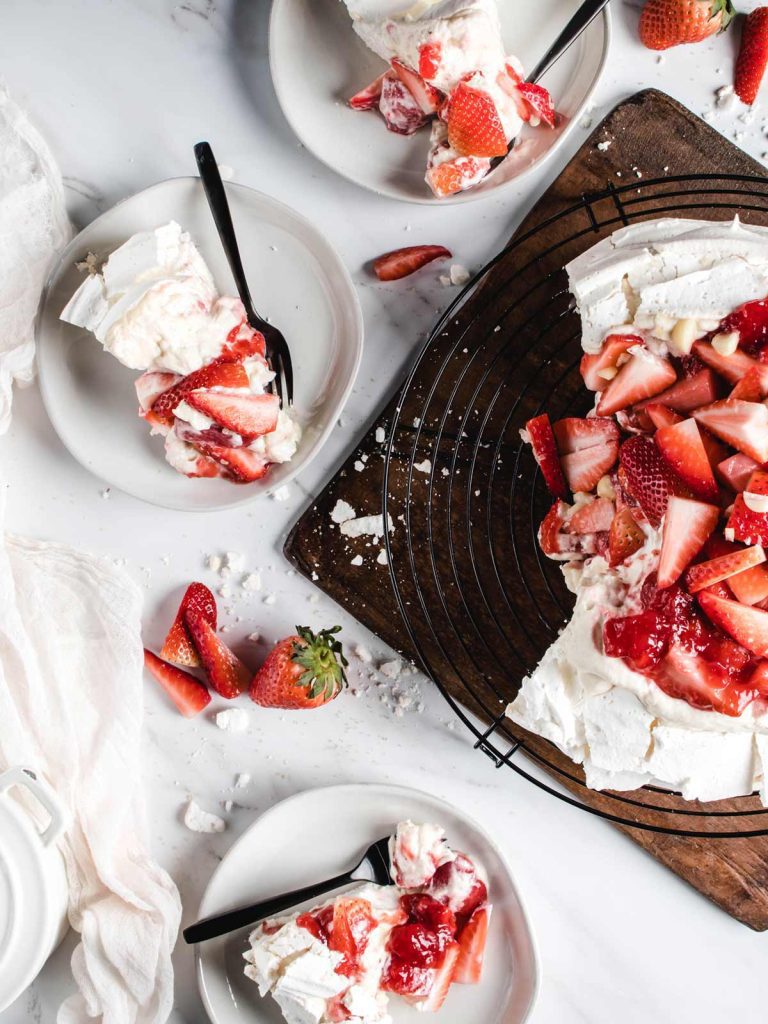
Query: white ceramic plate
pixel 335 824
pixel 318 61
pixel 298 282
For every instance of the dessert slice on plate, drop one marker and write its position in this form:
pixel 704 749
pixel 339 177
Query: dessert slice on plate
pixel 660 516
pixel 344 959
pixel 448 68
pixel 205 385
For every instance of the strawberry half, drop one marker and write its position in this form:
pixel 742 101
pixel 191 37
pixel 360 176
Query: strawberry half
pixel 402 262
pixel 545 451
pixel 302 671
pixel 427 96
pixel 226 673
pixel 642 376
pixel 178 646
pixel 584 468
pixel 665 23
pixel 472 941
pixel 647 478
pixel 705 574
pixel 682 449
pixel 744 425
pixel 474 125
pixel 753 55
pixel 625 537
pixel 688 525
pixel 187 693
pixel 248 415
pixel 539 103
pixel 748 626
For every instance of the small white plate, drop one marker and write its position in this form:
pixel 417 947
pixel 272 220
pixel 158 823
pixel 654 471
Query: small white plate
pixel 297 281
pixel 315 835
pixel 318 62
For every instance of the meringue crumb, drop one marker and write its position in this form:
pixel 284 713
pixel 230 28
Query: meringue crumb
pixel 342 512
pixel 198 820
pixel 361 652
pixel 270 599
pixel 459 275
pixel 381 558
pixel 391 669
pixel 282 493
pixel 380 435
pixel 242 780
pixel 251 581
pixel 254 637
pixel 357 560
pixel 233 720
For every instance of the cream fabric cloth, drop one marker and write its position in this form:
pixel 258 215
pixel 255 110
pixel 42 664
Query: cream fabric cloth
pixel 71 663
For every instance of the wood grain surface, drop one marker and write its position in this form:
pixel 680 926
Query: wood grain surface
pixel 650 136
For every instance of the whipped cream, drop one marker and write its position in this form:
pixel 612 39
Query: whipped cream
pixel 154 305
pixel 652 274
pixel 416 851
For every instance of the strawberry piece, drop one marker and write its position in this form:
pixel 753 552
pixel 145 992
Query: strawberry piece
pixel 625 537
pixel 593 365
pixel 682 449
pixel 248 415
pixel 647 478
pixel 368 98
pixel 732 368
pixel 689 393
pixel 430 55
pixel 705 574
pixel 747 625
pixel 665 23
pixel 753 55
pixel 441 981
pixel 243 342
pixel 427 96
pixel 661 416
pixel 744 425
pixel 226 673
pixel 400 110
pixel 472 941
pixel 748 526
pixel 452 176
pixel 218 374
pixel 416 944
pixel 750 586
pixel 352 924
pixel 407 980
pixel 584 468
pixel 572 434
pixel 150 385
pixel 750 322
pixel 736 471
pixel 178 646
pixel 474 125
pixel 242 464
pixel 545 452
pixel 701 683
pixel 431 912
pixel 187 693
pixel 539 103
pixel 642 376
pixel 552 537
pixel 592 518
pixel 688 525
pixel 402 262
pixel 457 885
pixel 753 386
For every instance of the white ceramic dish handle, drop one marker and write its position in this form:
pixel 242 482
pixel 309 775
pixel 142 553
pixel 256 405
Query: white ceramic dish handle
pixel 44 795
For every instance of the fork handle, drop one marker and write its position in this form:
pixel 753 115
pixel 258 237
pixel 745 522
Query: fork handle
pixel 233 920
pixel 588 11
pixel 217 200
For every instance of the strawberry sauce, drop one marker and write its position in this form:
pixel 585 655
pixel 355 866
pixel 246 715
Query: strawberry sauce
pixel 751 321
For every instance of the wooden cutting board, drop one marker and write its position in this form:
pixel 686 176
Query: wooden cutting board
pixel 651 136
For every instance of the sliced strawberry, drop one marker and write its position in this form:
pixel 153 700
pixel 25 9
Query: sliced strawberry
pixel 226 673
pixel 642 376
pixel 625 537
pixel 661 416
pixel 732 368
pixel 593 366
pixel 753 55
pixel 748 626
pixel 430 55
pixel 427 97
pixel 753 386
pixel 242 464
pixel 400 110
pixel 457 884
pixel 472 941
pixel 688 525
pixel 402 262
pixel 219 374
pixel 150 385
pixel 442 980
pixel 368 98
pixel 353 922
pixel 539 103
pixel 706 574
pixel 187 693
pixel 474 125
pixel 545 452
pixel 178 646
pixel 736 471
pixel 682 449
pixel 243 342
pixel 205 468
pixel 572 434
pixel 741 424
pixel 689 393
pixel 751 586
pixel 452 176
pixel 552 537
pixel 646 477
pixel 700 682
pixel 750 524
pixel 594 517
pixel 246 414
pixel 584 468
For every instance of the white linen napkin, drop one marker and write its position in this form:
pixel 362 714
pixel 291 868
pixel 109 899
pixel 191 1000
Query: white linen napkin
pixel 33 227
pixel 71 681
pixel 71 663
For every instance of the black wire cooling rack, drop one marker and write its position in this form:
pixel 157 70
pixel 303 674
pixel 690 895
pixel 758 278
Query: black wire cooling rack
pixel 479 600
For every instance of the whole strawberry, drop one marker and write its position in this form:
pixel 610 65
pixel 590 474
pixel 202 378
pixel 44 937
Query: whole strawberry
pixel 753 55
pixel 665 23
pixel 303 671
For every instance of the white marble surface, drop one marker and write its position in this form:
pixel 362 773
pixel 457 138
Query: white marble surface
pixel 122 90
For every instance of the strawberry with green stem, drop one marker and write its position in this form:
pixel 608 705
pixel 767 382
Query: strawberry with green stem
pixel 302 671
